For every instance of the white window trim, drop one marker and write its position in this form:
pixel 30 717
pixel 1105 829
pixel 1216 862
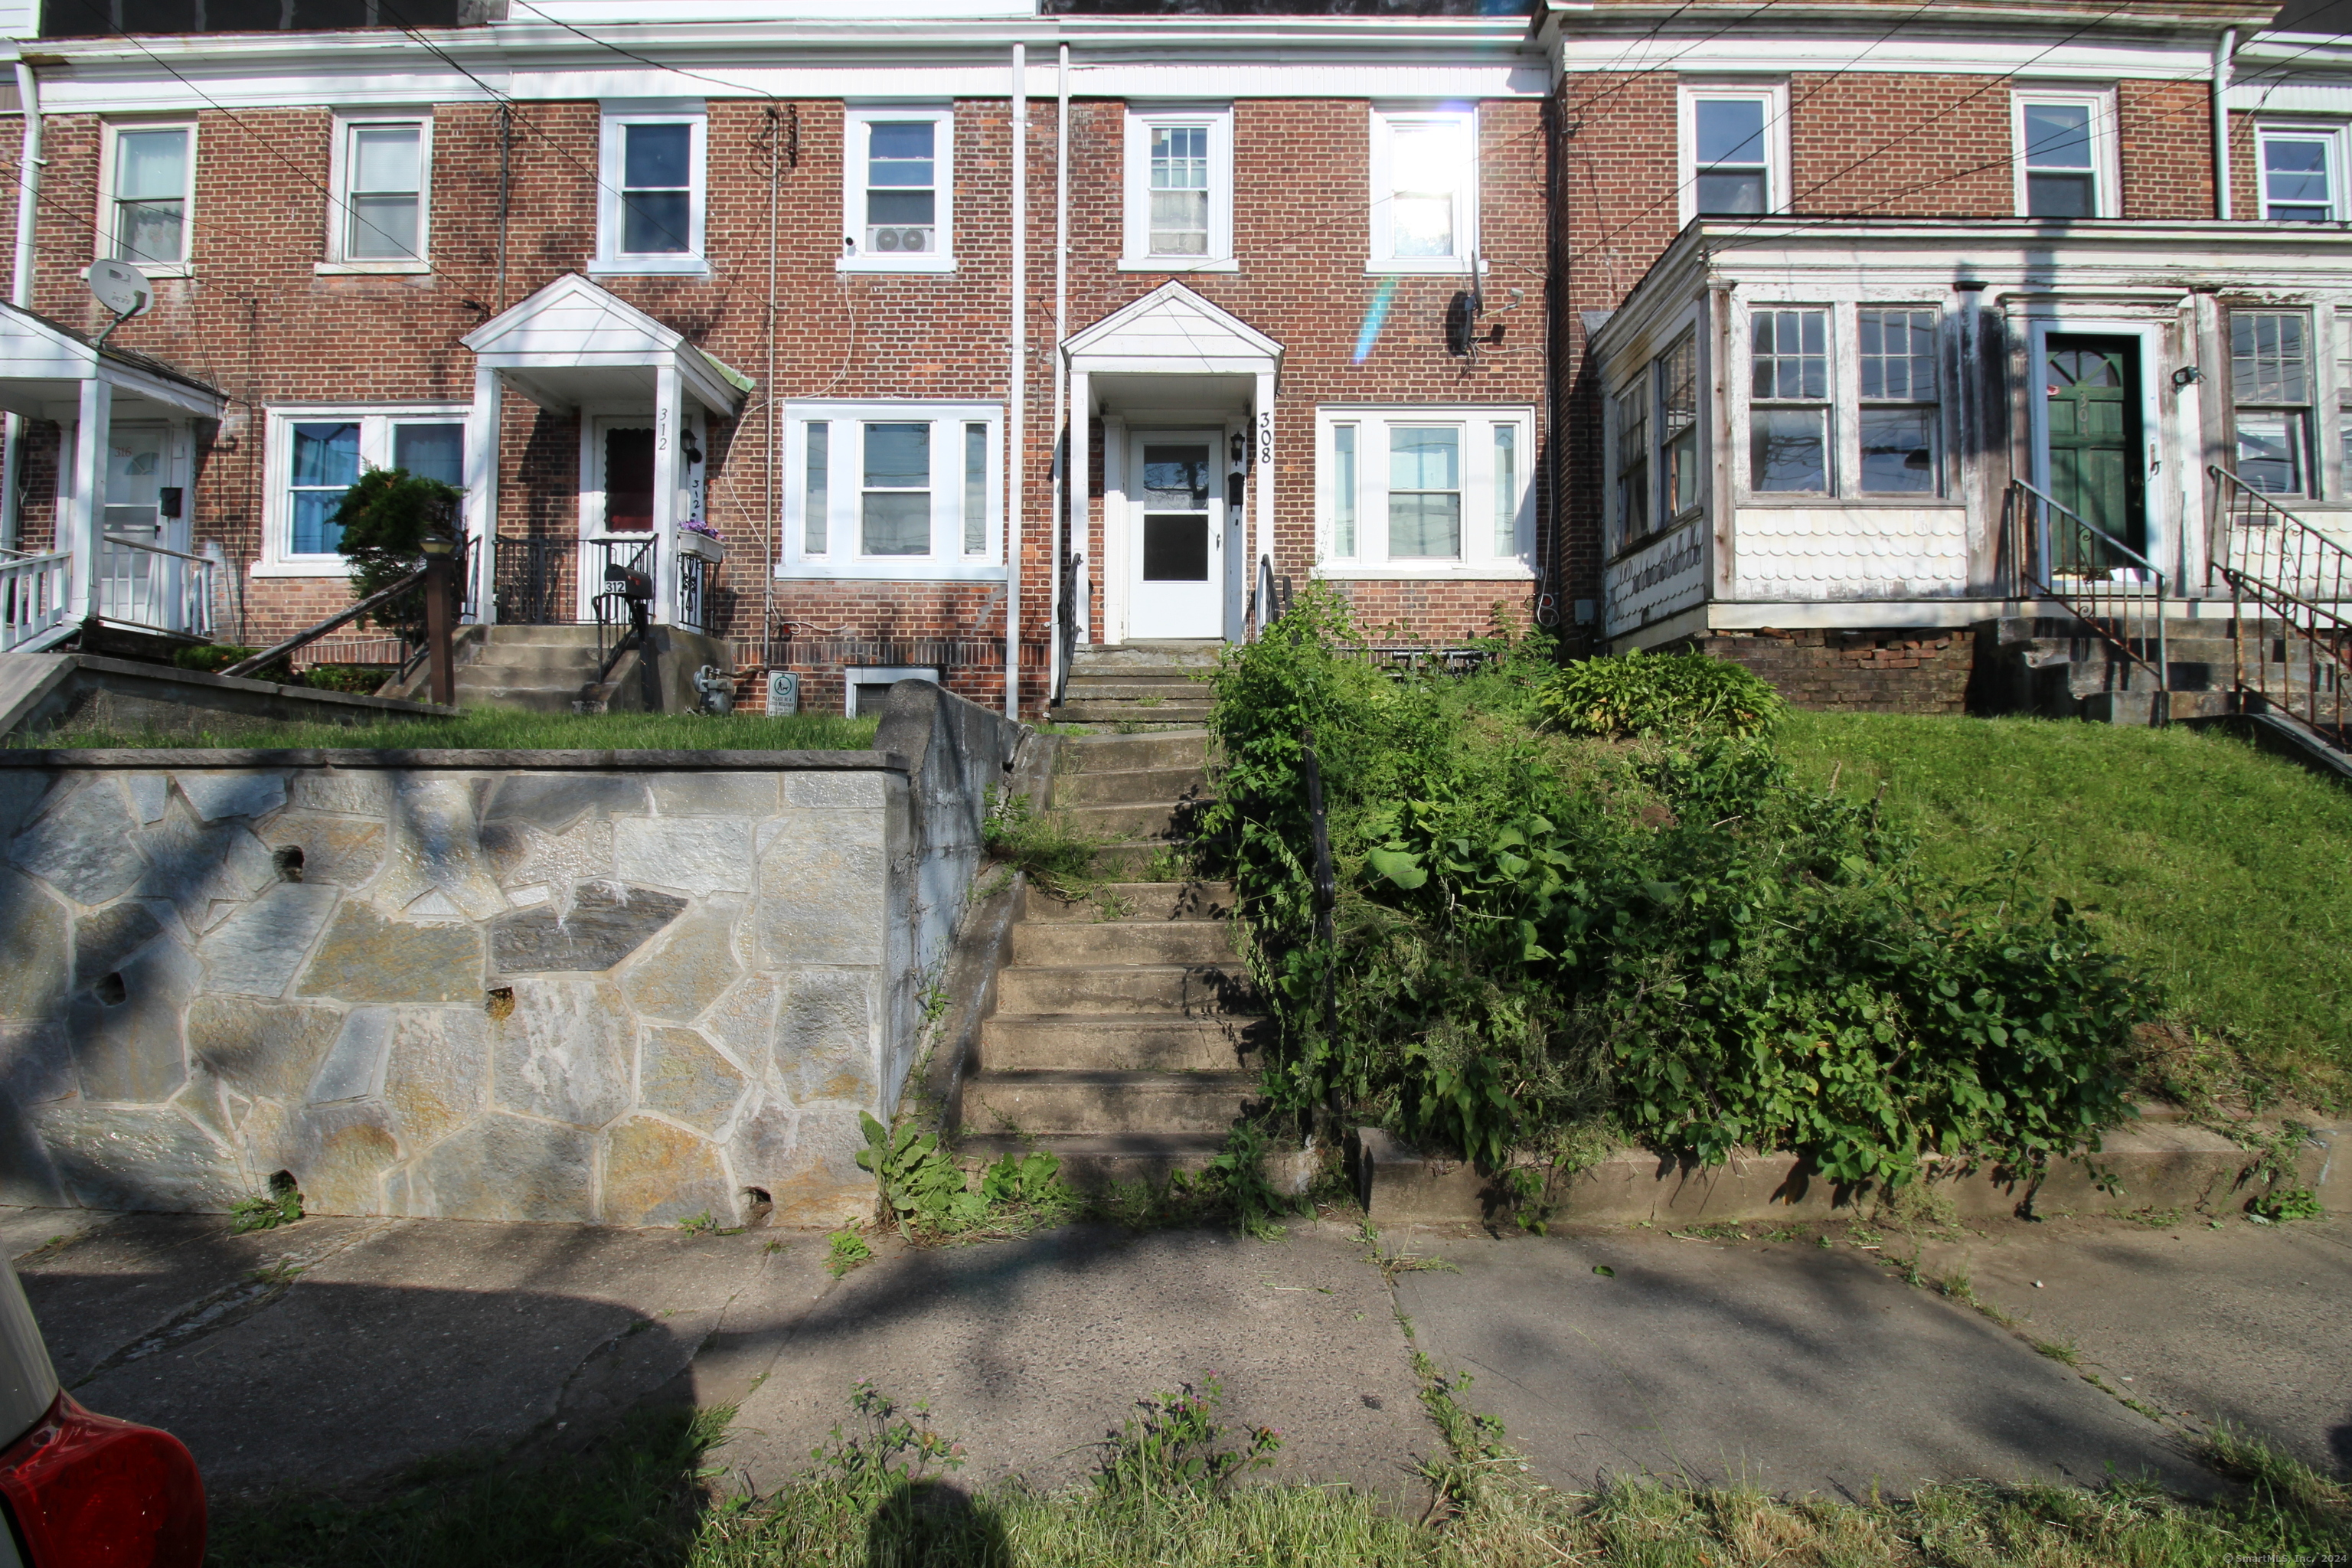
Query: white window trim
pixel 1479 562
pixel 855 117
pixel 1383 259
pixel 339 205
pixel 609 261
pixel 1774 94
pixel 2106 160
pixel 2330 132
pixel 1137 255
pixel 103 247
pixel 375 421
pixel 1844 404
pixel 946 561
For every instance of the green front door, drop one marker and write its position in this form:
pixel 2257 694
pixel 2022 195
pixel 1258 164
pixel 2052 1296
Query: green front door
pixel 2093 392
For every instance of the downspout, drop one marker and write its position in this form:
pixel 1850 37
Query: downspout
pixel 1057 525
pixel 2224 52
pixel 20 289
pixel 1016 437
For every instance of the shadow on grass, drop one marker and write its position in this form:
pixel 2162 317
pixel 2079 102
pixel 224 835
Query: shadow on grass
pixel 634 1499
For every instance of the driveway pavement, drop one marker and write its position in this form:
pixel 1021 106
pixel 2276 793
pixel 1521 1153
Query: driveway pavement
pixel 339 1351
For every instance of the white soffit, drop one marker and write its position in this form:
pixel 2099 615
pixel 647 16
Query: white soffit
pixel 1172 331
pixel 2258 97
pixel 1910 51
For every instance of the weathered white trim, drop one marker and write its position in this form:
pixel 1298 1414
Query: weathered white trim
pixel 2106 159
pixel 1137 255
pixel 1774 95
pixel 338 260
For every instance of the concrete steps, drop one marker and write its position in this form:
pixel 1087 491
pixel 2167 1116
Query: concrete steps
pixel 1124 1031
pixel 1138 686
pixel 2058 667
pixel 539 669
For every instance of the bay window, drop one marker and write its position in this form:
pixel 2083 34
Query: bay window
pixel 1423 491
pixel 894 489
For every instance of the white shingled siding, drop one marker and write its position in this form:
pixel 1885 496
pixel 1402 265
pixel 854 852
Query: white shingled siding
pixel 1851 553
pixel 1666 576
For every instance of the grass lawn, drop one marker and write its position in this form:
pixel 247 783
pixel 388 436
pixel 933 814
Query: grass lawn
pixel 2221 871
pixel 498 729
pixel 657 1494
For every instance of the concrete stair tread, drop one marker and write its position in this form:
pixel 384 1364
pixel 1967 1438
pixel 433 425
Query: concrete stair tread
pixel 1149 903
pixel 1115 1077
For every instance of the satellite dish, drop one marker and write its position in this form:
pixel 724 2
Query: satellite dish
pixel 121 288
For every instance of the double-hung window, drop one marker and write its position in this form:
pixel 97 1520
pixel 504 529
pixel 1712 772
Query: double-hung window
pixel 1179 190
pixel 1789 430
pixel 317 454
pixel 1425 196
pixel 650 190
pixel 1654 427
pixel 1734 149
pixel 1899 411
pixel 894 489
pixel 149 195
pixel 2270 388
pixel 1424 491
pixel 2302 172
pixel 898 189
pixel 2066 153
pixel 380 215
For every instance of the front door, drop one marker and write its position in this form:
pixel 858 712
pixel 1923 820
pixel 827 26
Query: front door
pixel 136 585
pixel 617 524
pixel 2094 394
pixel 1178 544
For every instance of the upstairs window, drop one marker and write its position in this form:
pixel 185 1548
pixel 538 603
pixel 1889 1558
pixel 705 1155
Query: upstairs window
pixel 1180 195
pixel 651 193
pixel 381 183
pixel 900 189
pixel 1424 197
pixel 2301 174
pixel 2066 165
pixel 1899 412
pixel 1734 156
pixel 150 191
pixel 1789 402
pixel 894 489
pixel 2269 385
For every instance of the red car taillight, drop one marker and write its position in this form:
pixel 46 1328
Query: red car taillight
pixel 89 1491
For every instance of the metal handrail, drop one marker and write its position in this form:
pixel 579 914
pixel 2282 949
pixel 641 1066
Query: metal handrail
pixel 1074 583
pixel 2299 581
pixel 1264 607
pixel 2092 592
pixel 311 634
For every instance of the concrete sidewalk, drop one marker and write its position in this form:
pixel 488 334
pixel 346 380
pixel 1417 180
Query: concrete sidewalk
pixel 336 1351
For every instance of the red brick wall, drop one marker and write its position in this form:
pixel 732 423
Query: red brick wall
pixel 1896 142
pixel 257 322
pixel 1857 672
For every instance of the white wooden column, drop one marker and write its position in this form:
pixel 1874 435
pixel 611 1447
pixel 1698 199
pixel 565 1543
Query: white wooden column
pixel 482 519
pixel 1076 476
pixel 92 433
pixel 669 487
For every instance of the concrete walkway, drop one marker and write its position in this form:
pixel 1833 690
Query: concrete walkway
pixel 337 1351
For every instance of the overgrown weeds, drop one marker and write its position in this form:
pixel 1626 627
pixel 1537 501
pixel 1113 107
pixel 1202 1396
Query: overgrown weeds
pixel 1057 856
pixel 927 1194
pixel 282 1204
pixel 879 1491
pixel 1669 938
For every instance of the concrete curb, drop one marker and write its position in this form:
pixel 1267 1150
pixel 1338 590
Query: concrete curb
pixel 2153 1164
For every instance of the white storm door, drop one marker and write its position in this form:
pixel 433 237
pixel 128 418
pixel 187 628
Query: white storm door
pixel 136 585
pixel 1177 548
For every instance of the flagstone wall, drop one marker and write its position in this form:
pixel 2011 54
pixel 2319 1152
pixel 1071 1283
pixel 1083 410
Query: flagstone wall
pixel 625 987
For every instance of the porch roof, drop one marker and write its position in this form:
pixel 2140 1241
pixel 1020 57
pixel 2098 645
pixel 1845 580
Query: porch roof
pixel 1172 331
pixel 44 363
pixel 574 342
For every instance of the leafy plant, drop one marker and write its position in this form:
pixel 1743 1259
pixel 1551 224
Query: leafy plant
pixel 844 1250
pixel 1236 1175
pixel 1642 693
pixel 2284 1197
pixel 282 1204
pixel 1171 1444
pixel 1673 940
pixel 703 1223
pixel 1024 1180
pixel 899 1447
pixel 385 519
pixel 922 1186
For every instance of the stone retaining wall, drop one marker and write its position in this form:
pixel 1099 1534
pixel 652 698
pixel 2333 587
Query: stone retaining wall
pixel 625 987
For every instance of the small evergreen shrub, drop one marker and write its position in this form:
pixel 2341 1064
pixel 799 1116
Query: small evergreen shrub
pixel 1638 693
pixel 386 519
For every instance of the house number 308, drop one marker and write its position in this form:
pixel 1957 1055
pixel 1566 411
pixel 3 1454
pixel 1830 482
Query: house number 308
pixel 1265 436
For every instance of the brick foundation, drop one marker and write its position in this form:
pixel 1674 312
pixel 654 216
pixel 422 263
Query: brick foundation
pixel 1905 670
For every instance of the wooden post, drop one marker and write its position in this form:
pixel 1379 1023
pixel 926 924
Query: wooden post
pixel 436 625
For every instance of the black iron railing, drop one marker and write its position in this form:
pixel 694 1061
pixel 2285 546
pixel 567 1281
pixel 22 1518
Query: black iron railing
pixel 2056 553
pixel 1066 621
